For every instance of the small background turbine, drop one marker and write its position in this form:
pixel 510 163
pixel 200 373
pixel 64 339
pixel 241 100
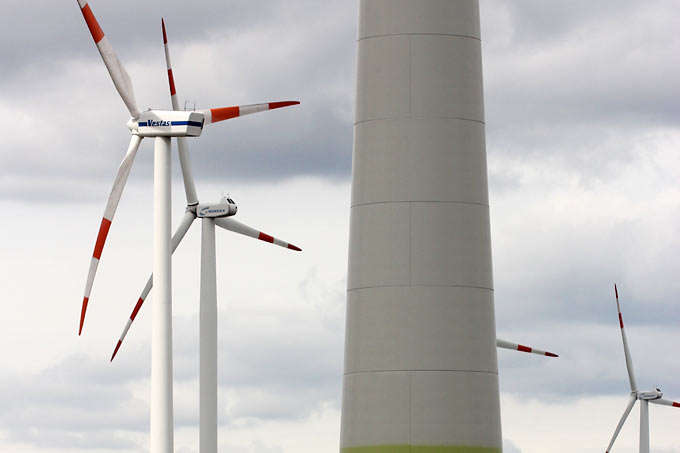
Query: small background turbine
pixel 645 397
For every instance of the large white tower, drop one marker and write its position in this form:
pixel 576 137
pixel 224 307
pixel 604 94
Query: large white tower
pixel 421 372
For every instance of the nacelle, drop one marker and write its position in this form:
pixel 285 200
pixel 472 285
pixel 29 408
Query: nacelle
pixel 650 395
pixel 168 123
pixel 225 208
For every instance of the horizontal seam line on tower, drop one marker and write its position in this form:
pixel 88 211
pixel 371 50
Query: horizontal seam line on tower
pixel 420 117
pixel 420 201
pixel 426 286
pixel 421 369
pixel 453 35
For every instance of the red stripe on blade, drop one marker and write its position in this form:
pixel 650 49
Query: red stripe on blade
pixel 616 291
pixel 92 24
pixel 136 310
pixel 550 354
pixel 224 113
pixel 523 348
pixel 101 237
pixel 676 404
pixel 116 350
pixel 278 105
pixel 82 314
pixel 171 80
pixel 265 237
pixel 165 37
pixel 294 247
pixel 621 320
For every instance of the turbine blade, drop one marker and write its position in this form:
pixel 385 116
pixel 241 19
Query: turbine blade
pixel 226 113
pixel 518 347
pixel 182 146
pixel 629 407
pixel 182 229
pixel 119 75
pixel 626 350
pixel 665 402
pixel 228 223
pixel 111 205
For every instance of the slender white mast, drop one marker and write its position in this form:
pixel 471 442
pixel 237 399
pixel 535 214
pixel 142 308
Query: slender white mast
pixel 161 327
pixel 644 426
pixel 208 341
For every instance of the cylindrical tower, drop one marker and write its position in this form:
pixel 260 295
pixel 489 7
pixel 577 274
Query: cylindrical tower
pixel 421 372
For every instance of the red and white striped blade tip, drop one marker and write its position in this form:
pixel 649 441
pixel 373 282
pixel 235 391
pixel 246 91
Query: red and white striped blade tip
pixel 92 24
pixel 83 309
pixel 530 350
pixel 135 310
pixel 272 240
pixel 115 351
pixel 616 291
pixel 226 113
pixel 165 36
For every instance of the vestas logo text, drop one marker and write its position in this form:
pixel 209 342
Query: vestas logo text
pixel 157 123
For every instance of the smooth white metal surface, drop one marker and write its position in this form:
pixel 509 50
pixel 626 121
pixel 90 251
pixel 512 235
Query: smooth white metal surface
pixel 208 340
pixel 420 346
pixel 161 438
pixel 644 426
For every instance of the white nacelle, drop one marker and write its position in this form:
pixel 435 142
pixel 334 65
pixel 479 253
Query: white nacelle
pixel 168 123
pixel 225 208
pixel 650 395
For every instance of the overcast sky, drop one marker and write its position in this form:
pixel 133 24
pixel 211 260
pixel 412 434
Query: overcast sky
pixel 583 139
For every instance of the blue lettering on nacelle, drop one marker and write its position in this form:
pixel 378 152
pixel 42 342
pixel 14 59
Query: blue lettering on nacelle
pixel 207 210
pixel 160 123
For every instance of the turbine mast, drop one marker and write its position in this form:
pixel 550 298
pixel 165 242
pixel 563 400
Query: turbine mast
pixel 162 425
pixel 420 354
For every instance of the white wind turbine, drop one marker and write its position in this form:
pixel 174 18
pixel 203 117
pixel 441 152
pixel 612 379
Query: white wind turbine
pixel 161 125
pixel 646 397
pixel 211 214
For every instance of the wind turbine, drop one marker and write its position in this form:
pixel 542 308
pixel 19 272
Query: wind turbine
pixel 646 397
pixel 211 214
pixel 161 125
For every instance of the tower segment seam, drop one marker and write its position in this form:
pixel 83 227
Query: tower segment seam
pixel 421 201
pixel 398 117
pixel 427 370
pixel 419 286
pixel 453 35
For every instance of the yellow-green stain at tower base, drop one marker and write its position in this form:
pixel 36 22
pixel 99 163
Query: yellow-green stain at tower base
pixel 420 449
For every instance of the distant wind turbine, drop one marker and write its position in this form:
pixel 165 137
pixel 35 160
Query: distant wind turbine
pixel 161 125
pixel 650 396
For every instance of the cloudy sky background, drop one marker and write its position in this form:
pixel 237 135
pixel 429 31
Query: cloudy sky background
pixel 583 142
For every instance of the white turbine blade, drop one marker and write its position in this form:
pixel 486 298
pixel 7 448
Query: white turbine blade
pixel 665 402
pixel 626 350
pixel 226 113
pixel 111 205
pixel 182 146
pixel 629 407
pixel 228 223
pixel 182 229
pixel 518 347
pixel 119 75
